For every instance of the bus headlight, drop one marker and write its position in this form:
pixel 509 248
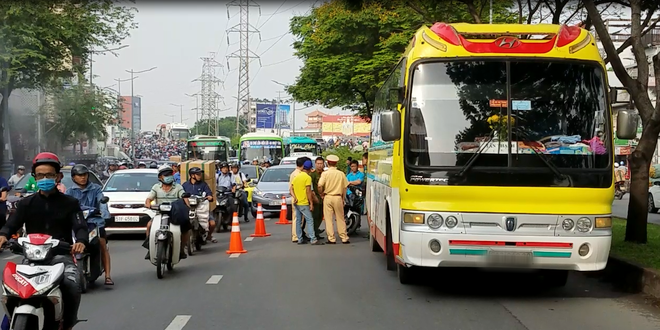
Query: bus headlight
pixel 583 225
pixel 451 221
pixel 434 221
pixel 567 224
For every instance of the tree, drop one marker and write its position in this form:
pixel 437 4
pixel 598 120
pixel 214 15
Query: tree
pixel 82 113
pixel 642 12
pixel 226 127
pixel 348 51
pixel 39 38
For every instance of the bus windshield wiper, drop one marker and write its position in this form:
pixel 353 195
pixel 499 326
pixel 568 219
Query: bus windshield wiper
pixel 555 170
pixel 479 151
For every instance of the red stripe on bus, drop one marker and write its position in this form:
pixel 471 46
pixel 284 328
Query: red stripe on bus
pixel 455 242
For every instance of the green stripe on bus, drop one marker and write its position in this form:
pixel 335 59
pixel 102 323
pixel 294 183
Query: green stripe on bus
pixel 546 254
pixel 469 252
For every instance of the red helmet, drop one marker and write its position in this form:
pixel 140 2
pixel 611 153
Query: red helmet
pixel 47 158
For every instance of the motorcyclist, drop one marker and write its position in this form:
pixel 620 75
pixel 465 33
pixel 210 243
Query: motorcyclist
pixel 241 183
pixel 89 194
pixel 197 187
pixel 153 165
pixel 58 215
pixel 167 191
pixel 112 167
pixel 142 165
pixel 225 179
pixel 177 174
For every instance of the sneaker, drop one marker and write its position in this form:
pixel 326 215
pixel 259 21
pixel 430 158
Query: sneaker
pixel 183 255
pixel 317 242
pixel 302 242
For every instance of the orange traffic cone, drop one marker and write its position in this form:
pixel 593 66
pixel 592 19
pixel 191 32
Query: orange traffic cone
pixel 235 241
pixel 260 226
pixel 283 211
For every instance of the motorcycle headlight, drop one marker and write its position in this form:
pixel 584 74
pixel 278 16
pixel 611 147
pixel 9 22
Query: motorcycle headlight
pixel 359 193
pixel 165 208
pixel 85 213
pixel 36 252
pixel 192 201
pixel 223 202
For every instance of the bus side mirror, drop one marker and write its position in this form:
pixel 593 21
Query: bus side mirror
pixel 617 97
pixel 626 124
pixel 390 125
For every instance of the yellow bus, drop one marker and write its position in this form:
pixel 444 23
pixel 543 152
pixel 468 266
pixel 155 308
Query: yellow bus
pixel 491 146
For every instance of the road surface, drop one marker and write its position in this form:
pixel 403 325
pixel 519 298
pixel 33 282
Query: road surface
pixel 620 209
pixel 282 286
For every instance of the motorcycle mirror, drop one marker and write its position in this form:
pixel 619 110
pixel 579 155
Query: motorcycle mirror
pixel 105 200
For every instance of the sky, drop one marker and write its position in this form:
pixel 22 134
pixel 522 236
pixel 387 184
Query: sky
pixel 174 37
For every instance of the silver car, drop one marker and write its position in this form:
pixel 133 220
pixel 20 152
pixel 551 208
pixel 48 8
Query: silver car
pixel 273 185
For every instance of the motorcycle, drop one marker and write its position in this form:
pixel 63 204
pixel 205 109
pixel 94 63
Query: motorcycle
pixel 164 239
pixel 12 202
pixel 31 292
pixel 620 190
pixel 353 209
pixel 90 262
pixel 238 197
pixel 225 206
pixel 198 233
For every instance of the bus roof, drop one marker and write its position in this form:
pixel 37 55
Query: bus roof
pixel 209 137
pixel 258 136
pixel 299 139
pixel 500 40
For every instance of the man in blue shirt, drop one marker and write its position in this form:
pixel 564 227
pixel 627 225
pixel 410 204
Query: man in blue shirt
pixel 354 177
pixel 177 175
pixel 89 195
pixel 196 186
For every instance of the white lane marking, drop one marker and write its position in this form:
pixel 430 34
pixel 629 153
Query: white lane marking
pixel 12 257
pixel 249 239
pixel 215 279
pixel 234 255
pixel 179 322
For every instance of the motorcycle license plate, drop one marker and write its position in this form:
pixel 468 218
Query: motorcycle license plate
pixel 132 218
pixel 273 203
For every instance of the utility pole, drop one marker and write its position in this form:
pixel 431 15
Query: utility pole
pixel 133 72
pixel 209 105
pixel 196 111
pixel 180 110
pixel 278 113
pixel 244 54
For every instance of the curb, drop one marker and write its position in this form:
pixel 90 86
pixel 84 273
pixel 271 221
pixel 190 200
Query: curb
pixel 630 277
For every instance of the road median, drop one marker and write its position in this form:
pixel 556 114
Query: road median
pixel 633 267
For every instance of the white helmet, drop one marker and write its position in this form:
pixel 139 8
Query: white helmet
pixel 164 169
pixel 616 165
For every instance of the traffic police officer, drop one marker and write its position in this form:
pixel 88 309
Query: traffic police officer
pixel 332 187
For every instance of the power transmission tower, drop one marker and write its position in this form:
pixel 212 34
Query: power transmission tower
pixel 244 54
pixel 208 109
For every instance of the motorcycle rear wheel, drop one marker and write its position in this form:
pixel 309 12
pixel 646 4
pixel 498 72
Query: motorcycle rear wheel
pixel 161 248
pixel 351 224
pixel 193 238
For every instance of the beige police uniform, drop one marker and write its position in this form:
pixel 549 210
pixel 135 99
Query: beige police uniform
pixel 334 185
pixel 294 236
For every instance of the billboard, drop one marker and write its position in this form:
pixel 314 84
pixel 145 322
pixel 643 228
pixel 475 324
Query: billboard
pixel 266 115
pixel 338 125
pixel 283 111
pixel 131 114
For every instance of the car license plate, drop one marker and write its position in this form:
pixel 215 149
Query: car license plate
pixel 127 219
pixel 509 258
pixel 273 203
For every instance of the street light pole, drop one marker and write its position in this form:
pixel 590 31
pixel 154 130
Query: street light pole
pixel 180 110
pixel 196 112
pixel 293 110
pixel 91 60
pixel 133 72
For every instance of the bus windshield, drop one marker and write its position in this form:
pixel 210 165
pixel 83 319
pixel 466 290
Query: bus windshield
pixel 180 134
pixel 302 147
pixel 207 150
pixel 260 149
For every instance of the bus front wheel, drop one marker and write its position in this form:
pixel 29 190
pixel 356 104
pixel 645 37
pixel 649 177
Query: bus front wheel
pixel 406 275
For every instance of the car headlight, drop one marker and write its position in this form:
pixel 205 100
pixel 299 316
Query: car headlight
pixel 165 208
pixel 434 221
pixel 451 221
pixel 583 225
pixel 567 224
pixel 258 192
pixel 36 252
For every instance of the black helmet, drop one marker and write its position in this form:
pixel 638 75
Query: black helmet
pixel 165 170
pixel 235 164
pixel 195 170
pixel 153 165
pixel 223 164
pixel 79 169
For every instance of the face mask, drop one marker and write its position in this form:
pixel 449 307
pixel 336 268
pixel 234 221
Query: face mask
pixel 46 184
pixel 168 179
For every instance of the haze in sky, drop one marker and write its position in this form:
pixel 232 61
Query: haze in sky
pixel 174 37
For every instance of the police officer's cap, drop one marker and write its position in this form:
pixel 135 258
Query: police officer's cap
pixel 332 158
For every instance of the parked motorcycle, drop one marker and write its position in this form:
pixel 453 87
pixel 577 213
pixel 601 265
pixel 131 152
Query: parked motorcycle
pixel 90 262
pixel 198 233
pixel 225 206
pixel 620 190
pixel 353 209
pixel 164 239
pixel 31 292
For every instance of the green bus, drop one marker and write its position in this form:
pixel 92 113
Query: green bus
pixel 261 146
pixel 301 146
pixel 207 147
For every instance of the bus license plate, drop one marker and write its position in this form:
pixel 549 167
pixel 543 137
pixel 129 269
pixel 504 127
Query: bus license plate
pixel 509 258
pixel 273 203
pixel 127 219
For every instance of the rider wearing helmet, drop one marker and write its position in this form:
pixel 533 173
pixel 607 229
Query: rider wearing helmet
pixel 153 165
pixel 142 165
pixel 167 191
pixel 112 167
pixel 197 187
pixel 241 183
pixel 53 213
pixel 224 178
pixel 90 194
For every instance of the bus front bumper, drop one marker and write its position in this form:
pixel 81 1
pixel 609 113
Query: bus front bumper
pixel 535 252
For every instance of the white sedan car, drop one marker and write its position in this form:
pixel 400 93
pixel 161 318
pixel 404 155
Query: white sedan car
pixel 127 190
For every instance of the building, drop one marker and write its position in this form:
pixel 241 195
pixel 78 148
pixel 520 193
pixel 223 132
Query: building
pixel 345 126
pixel 315 119
pixel 131 114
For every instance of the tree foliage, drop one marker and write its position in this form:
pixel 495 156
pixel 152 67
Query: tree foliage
pixel 349 49
pixel 226 127
pixel 38 39
pixel 642 13
pixel 343 153
pixel 81 113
